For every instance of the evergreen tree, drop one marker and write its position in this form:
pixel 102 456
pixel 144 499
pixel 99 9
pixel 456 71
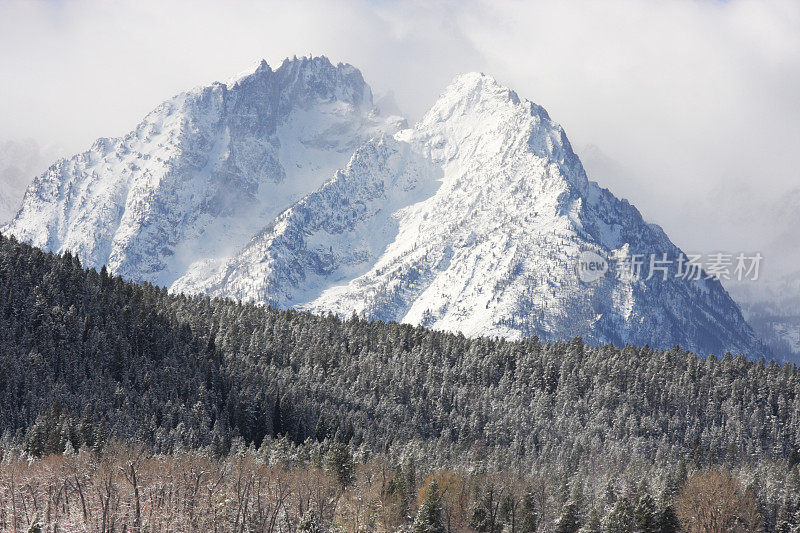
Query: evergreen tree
pixel 789 517
pixel 508 512
pixel 87 358
pixel 430 517
pixel 579 499
pixel 620 519
pixel 339 461
pixel 644 514
pixel 36 526
pixel 568 521
pixel 398 495
pixel 529 521
pixel 593 524
pixel 479 518
pixel 667 518
pixel 610 494
pixel 563 491
pixel 485 510
pixel 309 523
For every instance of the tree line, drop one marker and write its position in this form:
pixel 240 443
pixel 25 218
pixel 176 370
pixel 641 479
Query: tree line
pixel 87 358
pixel 317 487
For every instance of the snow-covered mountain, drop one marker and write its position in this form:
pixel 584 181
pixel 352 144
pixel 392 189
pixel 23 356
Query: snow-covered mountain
pixel 203 172
pixel 473 220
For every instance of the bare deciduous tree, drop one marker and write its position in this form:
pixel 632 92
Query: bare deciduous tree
pixel 714 501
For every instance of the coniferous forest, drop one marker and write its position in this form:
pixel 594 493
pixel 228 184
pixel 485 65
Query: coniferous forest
pixel 124 407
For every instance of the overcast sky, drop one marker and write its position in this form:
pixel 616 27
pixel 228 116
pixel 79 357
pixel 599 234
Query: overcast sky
pixel 692 107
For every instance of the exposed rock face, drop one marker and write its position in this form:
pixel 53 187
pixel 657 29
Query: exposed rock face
pixel 286 188
pixel 203 172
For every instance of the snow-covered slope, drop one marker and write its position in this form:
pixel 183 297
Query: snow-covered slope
pixel 473 221
pixel 203 172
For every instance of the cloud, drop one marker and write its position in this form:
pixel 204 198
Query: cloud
pixel 686 96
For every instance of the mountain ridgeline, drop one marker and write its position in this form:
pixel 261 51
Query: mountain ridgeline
pixel 86 357
pixel 290 188
pixel 202 172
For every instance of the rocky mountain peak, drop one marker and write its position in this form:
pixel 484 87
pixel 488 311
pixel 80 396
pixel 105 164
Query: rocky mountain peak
pixel 203 171
pixel 286 188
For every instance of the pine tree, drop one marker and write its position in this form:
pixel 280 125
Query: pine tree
pixel 593 524
pixel 484 515
pixel 339 462
pixel 134 362
pixel 579 498
pixel 36 526
pixel 479 518
pixel 530 517
pixel 788 518
pixel 667 518
pixel 430 517
pixel 398 497
pixel 309 523
pixel 644 514
pixel 508 512
pixel 610 492
pixel 620 519
pixel 568 521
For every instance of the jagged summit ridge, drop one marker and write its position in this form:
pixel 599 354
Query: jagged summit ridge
pixel 203 172
pixel 303 80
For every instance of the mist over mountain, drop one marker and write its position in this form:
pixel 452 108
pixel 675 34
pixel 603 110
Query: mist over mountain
pixel 20 162
pixel 482 267
pixel 754 221
pixel 289 187
pixel 202 172
pixel 770 304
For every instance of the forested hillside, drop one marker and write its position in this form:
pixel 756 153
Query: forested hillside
pixel 87 358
